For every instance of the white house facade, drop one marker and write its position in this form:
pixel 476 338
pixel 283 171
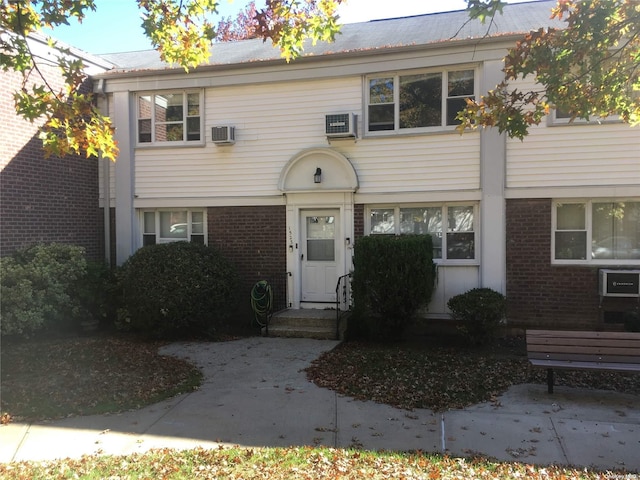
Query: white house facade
pixel 284 166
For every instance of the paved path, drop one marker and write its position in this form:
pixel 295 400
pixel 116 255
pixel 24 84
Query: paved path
pixel 255 393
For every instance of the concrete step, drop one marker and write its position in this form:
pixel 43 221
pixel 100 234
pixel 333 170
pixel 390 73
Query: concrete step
pixel 303 323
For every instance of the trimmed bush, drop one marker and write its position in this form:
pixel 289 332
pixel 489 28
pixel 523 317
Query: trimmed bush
pixel 39 289
pixel 176 290
pixel 480 312
pixel 393 277
pixel 631 321
pixel 97 294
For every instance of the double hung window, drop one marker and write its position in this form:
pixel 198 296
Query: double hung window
pixel 417 101
pixel 170 117
pixel 173 225
pixel 452 227
pixel 603 232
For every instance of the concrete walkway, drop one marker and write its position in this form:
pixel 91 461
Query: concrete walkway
pixel 255 393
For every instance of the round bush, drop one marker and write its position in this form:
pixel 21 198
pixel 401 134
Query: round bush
pixel 176 290
pixel 480 312
pixel 38 287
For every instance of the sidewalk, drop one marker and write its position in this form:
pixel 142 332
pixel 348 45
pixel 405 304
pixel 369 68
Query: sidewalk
pixel 256 394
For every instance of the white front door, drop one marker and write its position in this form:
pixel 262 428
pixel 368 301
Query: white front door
pixel 319 254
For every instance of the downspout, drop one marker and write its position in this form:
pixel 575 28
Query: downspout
pixel 106 184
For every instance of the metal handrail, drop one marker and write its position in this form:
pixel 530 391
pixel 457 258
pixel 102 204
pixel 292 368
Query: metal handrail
pixel 345 284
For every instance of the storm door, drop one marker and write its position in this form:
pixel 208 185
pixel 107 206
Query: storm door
pixel 319 255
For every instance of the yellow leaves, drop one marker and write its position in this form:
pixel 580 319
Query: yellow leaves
pixel 290 22
pixel 75 126
pixel 180 31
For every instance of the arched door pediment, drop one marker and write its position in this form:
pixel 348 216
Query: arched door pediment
pixel 338 174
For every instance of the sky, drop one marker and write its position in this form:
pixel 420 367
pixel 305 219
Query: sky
pixel 115 25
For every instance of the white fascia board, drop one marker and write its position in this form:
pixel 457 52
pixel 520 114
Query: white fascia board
pixel 204 202
pixel 418 197
pixel 604 191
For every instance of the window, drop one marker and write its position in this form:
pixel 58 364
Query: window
pixel 597 231
pixel 169 117
pixel 164 226
pixel 417 101
pixel 452 227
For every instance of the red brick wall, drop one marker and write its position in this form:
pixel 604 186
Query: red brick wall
pixel 43 200
pixel 254 238
pixel 358 221
pixel 540 294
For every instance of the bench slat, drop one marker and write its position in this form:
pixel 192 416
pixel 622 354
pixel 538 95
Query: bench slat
pixel 621 367
pixel 581 334
pixel 595 350
pixel 631 343
pixel 568 357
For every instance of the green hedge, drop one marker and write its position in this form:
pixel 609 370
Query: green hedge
pixel 480 312
pixel 393 277
pixel 40 289
pixel 176 290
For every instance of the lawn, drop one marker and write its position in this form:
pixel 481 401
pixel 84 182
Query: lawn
pixel 55 378
pixel 290 463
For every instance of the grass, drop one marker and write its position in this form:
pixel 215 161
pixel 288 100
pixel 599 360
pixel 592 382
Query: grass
pixel 288 463
pixel 56 378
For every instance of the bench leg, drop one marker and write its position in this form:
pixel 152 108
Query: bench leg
pixel 550 380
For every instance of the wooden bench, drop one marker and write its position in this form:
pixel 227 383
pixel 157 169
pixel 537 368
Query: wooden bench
pixel 583 350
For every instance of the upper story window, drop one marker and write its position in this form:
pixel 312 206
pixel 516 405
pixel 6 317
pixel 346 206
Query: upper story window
pixel 452 227
pixel 417 101
pixel 173 225
pixel 594 231
pixel 169 117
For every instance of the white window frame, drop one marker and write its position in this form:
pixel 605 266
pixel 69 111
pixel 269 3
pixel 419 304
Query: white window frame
pixel 157 212
pixel 445 227
pixel 554 121
pixel 185 109
pixel 588 211
pixel 443 127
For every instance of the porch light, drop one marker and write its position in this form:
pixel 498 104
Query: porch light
pixel 317 177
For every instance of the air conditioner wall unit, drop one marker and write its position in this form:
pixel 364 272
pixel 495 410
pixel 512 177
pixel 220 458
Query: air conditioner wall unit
pixel 341 125
pixel 619 283
pixel 223 135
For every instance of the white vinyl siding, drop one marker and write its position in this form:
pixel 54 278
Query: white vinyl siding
pixel 275 122
pixel 573 155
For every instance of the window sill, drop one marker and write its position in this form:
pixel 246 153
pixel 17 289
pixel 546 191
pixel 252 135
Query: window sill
pixel 151 146
pixel 456 263
pixel 596 263
pixel 393 133
pixel 583 123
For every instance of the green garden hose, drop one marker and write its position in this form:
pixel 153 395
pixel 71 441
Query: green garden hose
pixel 262 302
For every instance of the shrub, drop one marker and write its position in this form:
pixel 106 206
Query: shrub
pixel 38 288
pixel 97 294
pixel 631 321
pixel 480 312
pixel 176 290
pixel 393 277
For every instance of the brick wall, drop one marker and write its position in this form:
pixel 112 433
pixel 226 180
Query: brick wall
pixel 358 220
pixel 254 238
pixel 43 200
pixel 540 294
